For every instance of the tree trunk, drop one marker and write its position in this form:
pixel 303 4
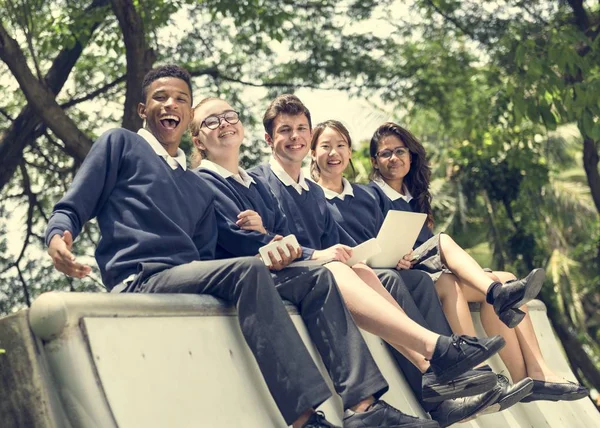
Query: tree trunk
pixel 28 126
pixel 590 164
pixel 139 59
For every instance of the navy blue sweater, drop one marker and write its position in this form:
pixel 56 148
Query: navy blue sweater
pixel 359 216
pixel 385 204
pixel 307 213
pixel 231 198
pixel 147 212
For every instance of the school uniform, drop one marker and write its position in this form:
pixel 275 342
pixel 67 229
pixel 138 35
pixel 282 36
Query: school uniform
pixel 158 229
pixel 427 245
pixel 356 210
pixel 307 284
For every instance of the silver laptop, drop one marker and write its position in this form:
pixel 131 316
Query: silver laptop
pixel 396 237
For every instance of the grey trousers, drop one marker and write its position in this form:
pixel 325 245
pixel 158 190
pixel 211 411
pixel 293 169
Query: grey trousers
pixel 288 369
pixel 415 293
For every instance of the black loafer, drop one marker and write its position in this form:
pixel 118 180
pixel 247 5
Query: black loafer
pixel 455 355
pixel 460 409
pixel 515 294
pixel 553 391
pixel 510 394
pixel 472 382
pixel 317 420
pixel 381 414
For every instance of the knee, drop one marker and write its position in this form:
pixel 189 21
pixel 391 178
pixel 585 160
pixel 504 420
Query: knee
pixel 447 242
pixel 251 263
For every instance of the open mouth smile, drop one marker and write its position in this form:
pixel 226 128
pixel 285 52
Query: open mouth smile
pixel 226 134
pixel 170 121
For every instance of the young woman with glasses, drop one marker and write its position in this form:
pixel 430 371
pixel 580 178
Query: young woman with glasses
pixel 401 177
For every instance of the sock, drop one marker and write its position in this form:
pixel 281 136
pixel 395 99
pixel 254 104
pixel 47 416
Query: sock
pixel 492 292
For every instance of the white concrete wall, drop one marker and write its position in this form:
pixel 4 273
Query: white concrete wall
pixel 180 361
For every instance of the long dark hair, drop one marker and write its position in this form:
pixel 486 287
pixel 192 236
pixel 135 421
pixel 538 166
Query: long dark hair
pixel 419 176
pixel 315 173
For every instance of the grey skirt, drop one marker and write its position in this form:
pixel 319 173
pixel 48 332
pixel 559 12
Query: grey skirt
pixel 429 260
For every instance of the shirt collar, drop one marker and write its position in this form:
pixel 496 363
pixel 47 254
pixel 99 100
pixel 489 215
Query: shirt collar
pixel 285 178
pixel 179 158
pixel 241 177
pixel 391 193
pixel 346 191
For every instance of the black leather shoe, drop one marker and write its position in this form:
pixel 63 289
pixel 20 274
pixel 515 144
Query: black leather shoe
pixel 456 354
pixel 381 414
pixel 510 394
pixel 459 409
pixel 515 294
pixel 317 420
pixel 472 382
pixel 552 391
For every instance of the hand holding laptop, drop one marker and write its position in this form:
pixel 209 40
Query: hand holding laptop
pixel 396 238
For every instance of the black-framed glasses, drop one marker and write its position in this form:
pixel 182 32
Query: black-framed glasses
pixel 214 121
pixel 398 151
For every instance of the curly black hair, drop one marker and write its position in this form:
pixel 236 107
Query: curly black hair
pixel 169 70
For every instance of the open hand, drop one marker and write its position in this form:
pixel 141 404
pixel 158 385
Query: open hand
pixel 65 261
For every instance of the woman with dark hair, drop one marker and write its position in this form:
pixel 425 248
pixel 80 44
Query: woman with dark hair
pixel 401 177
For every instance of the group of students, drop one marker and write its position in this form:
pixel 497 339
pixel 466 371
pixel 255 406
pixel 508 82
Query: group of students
pixel 170 229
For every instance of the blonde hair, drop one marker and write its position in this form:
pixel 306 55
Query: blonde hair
pixel 194 128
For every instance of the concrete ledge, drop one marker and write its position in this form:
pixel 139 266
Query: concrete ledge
pixel 132 360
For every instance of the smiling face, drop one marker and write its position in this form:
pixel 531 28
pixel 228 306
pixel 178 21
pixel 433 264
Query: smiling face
pixel 396 167
pixel 226 139
pixel 332 154
pixel 291 138
pixel 167 111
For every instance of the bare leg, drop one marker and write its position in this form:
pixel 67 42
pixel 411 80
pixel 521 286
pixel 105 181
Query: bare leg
pixel 455 305
pixel 370 278
pixel 463 265
pixel 535 365
pixel 377 315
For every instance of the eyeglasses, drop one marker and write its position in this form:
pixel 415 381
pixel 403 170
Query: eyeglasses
pixel 398 151
pixel 213 122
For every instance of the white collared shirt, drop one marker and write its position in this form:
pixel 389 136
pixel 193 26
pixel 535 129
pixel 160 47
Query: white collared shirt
pixel 285 178
pixel 178 160
pixel 391 193
pixel 346 191
pixel 241 177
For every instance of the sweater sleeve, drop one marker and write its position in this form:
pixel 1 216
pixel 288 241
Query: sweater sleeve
pixel 91 187
pixel 231 238
pixel 281 223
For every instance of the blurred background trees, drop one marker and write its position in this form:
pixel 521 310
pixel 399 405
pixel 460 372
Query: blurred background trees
pixel 504 94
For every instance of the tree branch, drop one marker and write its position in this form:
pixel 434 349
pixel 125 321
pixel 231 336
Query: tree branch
pixel 28 126
pixel 42 99
pixel 93 94
pixel 25 290
pixel 6 115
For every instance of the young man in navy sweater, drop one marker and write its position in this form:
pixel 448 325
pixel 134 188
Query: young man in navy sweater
pixel 159 233
pixel 288 132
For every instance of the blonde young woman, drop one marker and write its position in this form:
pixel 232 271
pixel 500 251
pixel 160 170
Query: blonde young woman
pixel 248 218
pixel 394 154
